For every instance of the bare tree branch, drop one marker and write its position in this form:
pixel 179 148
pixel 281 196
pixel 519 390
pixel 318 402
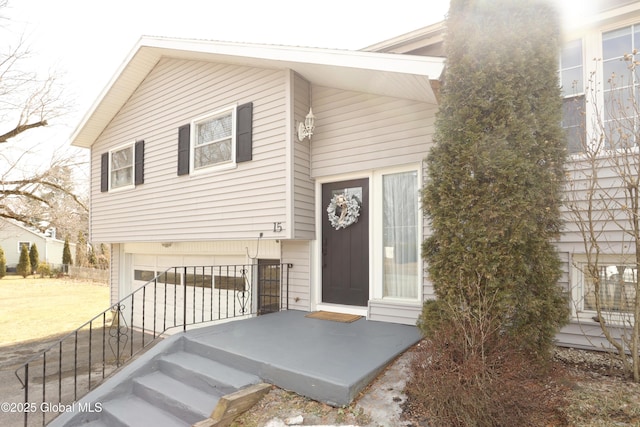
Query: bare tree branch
pixel 21 128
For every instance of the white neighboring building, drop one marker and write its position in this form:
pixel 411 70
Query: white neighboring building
pixel 13 235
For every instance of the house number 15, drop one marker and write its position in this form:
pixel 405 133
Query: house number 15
pixel 277 227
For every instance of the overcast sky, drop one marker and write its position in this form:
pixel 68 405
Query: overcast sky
pixel 87 40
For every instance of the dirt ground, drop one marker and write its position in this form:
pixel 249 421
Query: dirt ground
pixel 595 396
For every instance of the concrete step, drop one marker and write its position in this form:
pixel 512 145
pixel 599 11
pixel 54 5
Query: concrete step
pixel 94 423
pixel 133 411
pixel 203 373
pixel 241 363
pixel 183 401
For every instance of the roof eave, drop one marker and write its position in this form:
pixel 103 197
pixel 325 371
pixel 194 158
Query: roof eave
pixel 394 75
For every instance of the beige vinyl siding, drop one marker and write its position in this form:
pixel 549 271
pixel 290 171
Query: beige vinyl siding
pixel 393 312
pixel 587 335
pixel 298 253
pixel 428 292
pixel 303 185
pixel 357 131
pixel 232 204
pixel 612 241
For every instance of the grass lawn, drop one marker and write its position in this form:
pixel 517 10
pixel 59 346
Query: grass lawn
pixel 35 308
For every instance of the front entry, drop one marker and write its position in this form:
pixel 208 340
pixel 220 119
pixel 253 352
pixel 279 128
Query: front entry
pixel 345 244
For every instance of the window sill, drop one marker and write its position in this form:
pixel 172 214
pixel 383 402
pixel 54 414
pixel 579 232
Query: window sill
pixel 398 301
pixel 123 188
pixel 610 318
pixel 214 169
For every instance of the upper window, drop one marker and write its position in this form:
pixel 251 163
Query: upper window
pixel 620 86
pixel 216 141
pixel 213 138
pixel 21 244
pixel 573 104
pixel 122 167
pixel 121 163
pixel 603 110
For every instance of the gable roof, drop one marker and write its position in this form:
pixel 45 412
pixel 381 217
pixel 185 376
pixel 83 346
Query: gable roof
pixel 402 76
pixel 25 229
pixel 425 41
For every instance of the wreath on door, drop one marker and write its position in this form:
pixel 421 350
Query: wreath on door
pixel 343 210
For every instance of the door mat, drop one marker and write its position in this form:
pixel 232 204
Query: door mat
pixel 336 317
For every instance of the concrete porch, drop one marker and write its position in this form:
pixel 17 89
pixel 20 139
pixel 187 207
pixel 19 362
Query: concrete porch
pixel 321 359
pixel 325 360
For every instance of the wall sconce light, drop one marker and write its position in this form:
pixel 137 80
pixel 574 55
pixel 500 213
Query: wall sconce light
pixel 306 129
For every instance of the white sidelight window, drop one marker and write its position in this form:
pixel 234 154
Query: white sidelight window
pixel 400 235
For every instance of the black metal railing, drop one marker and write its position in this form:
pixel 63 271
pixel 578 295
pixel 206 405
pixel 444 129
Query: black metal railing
pixel 176 298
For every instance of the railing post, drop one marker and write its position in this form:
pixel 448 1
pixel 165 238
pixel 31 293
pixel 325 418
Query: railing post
pixel 289 266
pixel 184 299
pixel 26 392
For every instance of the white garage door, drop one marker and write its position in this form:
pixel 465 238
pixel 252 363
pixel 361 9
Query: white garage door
pixel 217 288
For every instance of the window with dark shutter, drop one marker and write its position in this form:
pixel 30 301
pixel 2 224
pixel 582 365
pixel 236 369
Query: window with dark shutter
pixel 184 135
pixel 213 147
pixel 244 132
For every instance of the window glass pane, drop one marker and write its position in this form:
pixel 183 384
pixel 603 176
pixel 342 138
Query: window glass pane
pixel 573 121
pixel 571 54
pixel 572 81
pixel 400 235
pixel 355 192
pixel 616 43
pixel 122 177
pixel 211 154
pixel 170 278
pixel 616 290
pixel 122 158
pixel 571 68
pixel 616 73
pixel 214 130
pixel 619 104
pixel 143 275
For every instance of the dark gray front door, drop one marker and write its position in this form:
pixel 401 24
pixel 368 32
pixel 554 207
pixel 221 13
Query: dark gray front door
pixel 345 252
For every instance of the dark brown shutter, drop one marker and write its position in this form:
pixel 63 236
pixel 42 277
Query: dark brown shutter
pixel 104 172
pixel 139 166
pixel 184 135
pixel 244 132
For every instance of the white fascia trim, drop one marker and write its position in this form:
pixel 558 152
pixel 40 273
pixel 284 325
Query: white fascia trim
pixel 409 64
